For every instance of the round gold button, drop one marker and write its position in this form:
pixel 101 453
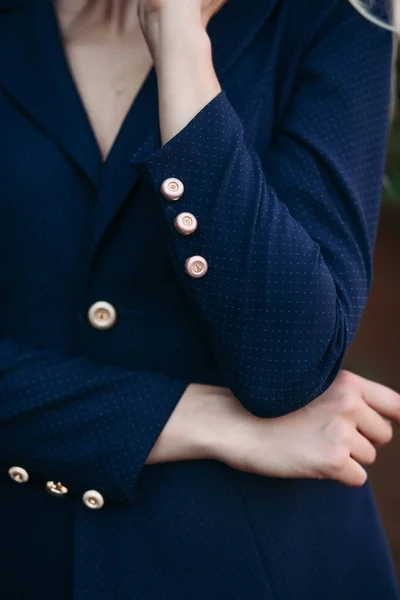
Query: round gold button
pixel 93 499
pixel 186 223
pixel 18 474
pixel 196 267
pixel 56 489
pixel 172 189
pixel 102 315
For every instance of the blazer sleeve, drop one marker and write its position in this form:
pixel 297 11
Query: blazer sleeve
pixel 86 425
pixel 288 236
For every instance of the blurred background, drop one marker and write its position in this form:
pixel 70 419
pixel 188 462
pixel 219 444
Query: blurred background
pixel 375 352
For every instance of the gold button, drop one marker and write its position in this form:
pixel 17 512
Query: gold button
pixel 186 223
pixel 102 315
pixel 56 489
pixel 172 189
pixel 196 267
pixel 93 499
pixel 18 474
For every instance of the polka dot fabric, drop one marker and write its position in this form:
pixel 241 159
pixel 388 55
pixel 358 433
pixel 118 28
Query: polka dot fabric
pixel 90 425
pixel 288 236
pixel 283 172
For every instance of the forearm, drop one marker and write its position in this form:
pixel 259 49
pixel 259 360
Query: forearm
pixel 229 194
pixel 208 423
pixel 89 425
pixel 284 236
pixel 242 230
pixel 333 437
pixel 182 57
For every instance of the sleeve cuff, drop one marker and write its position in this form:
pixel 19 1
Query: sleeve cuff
pixel 200 160
pixel 205 139
pixel 112 444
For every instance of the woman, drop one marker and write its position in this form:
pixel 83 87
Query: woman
pixel 190 193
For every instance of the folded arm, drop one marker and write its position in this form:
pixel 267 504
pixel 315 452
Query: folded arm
pixel 87 425
pixel 287 237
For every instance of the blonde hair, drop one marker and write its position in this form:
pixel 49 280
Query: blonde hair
pixel 384 13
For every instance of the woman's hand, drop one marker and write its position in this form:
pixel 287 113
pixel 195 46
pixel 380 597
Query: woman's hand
pixel 198 10
pixel 331 438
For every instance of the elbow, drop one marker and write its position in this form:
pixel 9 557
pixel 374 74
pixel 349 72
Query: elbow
pixel 322 338
pixel 301 367
pixel 319 359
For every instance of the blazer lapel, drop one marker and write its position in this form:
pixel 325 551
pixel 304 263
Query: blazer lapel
pixel 35 75
pixel 231 30
pixel 234 27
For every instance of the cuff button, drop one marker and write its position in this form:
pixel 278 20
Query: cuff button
pixel 196 267
pixel 186 223
pixel 172 189
pixel 93 499
pixel 18 474
pixel 56 489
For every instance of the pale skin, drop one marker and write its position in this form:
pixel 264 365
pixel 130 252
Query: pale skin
pixel 110 53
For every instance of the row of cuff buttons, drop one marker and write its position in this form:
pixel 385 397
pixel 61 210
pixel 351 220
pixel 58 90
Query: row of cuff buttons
pixel 92 498
pixel 172 189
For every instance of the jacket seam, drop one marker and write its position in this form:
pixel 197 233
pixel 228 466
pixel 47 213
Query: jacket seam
pixel 254 537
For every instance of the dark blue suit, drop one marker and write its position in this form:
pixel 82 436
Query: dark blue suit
pixel 283 170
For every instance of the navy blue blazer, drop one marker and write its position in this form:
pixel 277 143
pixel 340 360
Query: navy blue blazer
pixel 283 171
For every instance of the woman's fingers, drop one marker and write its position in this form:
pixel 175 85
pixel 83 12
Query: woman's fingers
pixel 351 474
pixel 361 449
pixel 381 398
pixel 374 427
pixel 334 437
pixel 348 454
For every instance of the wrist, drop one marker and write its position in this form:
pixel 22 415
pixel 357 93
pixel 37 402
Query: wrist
pixel 216 423
pixel 185 48
pixel 186 80
pixel 251 444
pixel 173 28
pixel 213 424
pixel 236 438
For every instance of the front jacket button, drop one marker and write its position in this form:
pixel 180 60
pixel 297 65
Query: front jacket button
pixel 185 223
pixel 93 499
pixel 18 474
pixel 56 489
pixel 102 315
pixel 172 189
pixel 196 267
